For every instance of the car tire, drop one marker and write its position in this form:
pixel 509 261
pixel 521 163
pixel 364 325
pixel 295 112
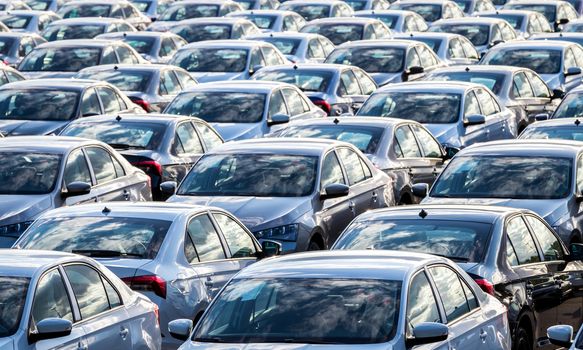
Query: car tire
pixel 522 340
pixel 314 246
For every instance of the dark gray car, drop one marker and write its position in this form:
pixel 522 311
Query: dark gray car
pixel 84 28
pixel 302 192
pixel 14 46
pixel 155 47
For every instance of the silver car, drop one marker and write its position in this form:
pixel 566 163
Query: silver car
pixel 299 47
pixel 557 12
pixel 525 22
pixel 154 47
pixel 187 9
pixel 105 8
pixel 272 20
pixel 84 28
pixel 14 46
pixel 179 256
pixel 350 300
pixel 28 21
pixel 430 10
pixel 452 49
pixel 342 29
pixel 214 28
pixel 315 9
pixel 63 301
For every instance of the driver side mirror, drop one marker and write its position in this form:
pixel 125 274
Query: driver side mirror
pixel 412 71
pixel 270 249
pixel 576 250
pixel 494 43
pixel 573 71
pixel 561 335
pixel 89 115
pixel 420 190
pixel 563 21
pixel 335 191
pixel 50 328
pixel 450 152
pixel 558 94
pixel 254 69
pixel 474 119
pixel 278 119
pixel 428 332
pixel 76 188
pixel 541 116
pixel 168 188
pixel 180 329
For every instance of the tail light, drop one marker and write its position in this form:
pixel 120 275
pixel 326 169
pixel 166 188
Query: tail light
pixel 486 285
pixel 142 103
pixel 324 105
pixel 149 166
pixel 148 283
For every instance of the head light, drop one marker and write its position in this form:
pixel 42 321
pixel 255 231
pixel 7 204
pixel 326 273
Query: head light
pixel 14 229
pixel 282 233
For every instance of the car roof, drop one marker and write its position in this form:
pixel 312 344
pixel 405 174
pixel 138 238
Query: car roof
pixel 128 67
pixel 534 44
pixel 526 148
pixel 25 263
pixel 353 264
pixel 472 20
pixel 344 20
pixel 283 145
pixel 98 43
pixel 26 13
pixel 60 83
pixel 155 118
pixel 313 2
pixel 480 68
pixel 263 12
pixel 380 43
pixel 287 35
pixel 87 21
pixel 52 144
pixel 507 12
pixel 449 86
pixel 558 122
pixel 535 2
pixel 211 20
pixel 352 121
pixel 319 67
pixel 252 86
pixel 384 12
pixel 240 44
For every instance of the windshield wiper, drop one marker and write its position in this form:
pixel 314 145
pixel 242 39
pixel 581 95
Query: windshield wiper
pixel 102 253
pixel 123 146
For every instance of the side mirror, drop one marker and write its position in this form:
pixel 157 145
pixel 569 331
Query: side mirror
pixel 180 329
pixel 51 328
pixel 474 119
pixel 335 191
pixel 420 190
pixel 416 70
pixel 89 115
pixel 77 188
pixel 254 69
pixel 270 248
pixel 573 71
pixel 563 21
pixel 541 116
pixel 560 335
pixel 495 42
pixel 558 94
pixel 278 119
pixel 428 332
pixel 168 188
pixel 576 250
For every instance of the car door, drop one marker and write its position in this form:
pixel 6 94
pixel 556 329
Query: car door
pixel 240 246
pixel 187 148
pixel 497 124
pixel 77 170
pixel 471 134
pixel 543 101
pixel 432 153
pixel 409 154
pixel 168 88
pixel 350 93
pixel 298 108
pixel 109 174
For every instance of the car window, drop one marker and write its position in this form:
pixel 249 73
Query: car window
pixel 186 140
pixel 367 85
pixel 569 59
pixel 289 24
pixel 469 49
pixel 26 46
pixel 126 55
pixel 521 87
pixel 12 77
pixel 430 146
pixel 169 84
pixel 451 291
pixel 271 56
pixel 455 49
pixel 256 59
pixel 76 168
pixel 413 59
pixel 427 57
pixel 406 141
pixel 277 105
pixel 539 87
pixel 352 165
pixel 421 303
pixel 315 50
pixel 206 241
pixel 521 242
pixel 487 104
pixel 549 243
pixel 331 171
pixel 238 240
pixel 167 47
pixel 294 102
pixel 108 56
pixel 327 45
pixel 471 104
pixel 348 84
pixel 88 289
pixel 185 79
pixel 507 32
pixel 90 103
pixel 51 298
pixel 109 101
pixel 578 52
pixel 102 164
pixel 580 175
pixel 210 138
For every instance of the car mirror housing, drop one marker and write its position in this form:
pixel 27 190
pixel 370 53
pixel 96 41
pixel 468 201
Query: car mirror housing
pixel 50 328
pixel 270 248
pixel 420 190
pixel 335 191
pixel 563 21
pixel 558 94
pixel 541 116
pixel 573 71
pixel 474 119
pixel 180 329
pixel 278 119
pixel 576 250
pixel 561 335
pixel 76 188
pixel 168 188
pixel 428 332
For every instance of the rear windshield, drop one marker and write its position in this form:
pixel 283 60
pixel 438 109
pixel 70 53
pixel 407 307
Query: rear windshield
pixel 477 34
pixel 312 81
pixel 201 32
pixel 13 292
pixel 430 13
pixel 66 32
pixel 286 46
pixel 337 33
pixel 180 12
pixel 366 138
pixel 562 133
pixel 94 10
pixel 130 80
pixel 308 11
pixel 16 22
pixel 119 135
pixel 371 59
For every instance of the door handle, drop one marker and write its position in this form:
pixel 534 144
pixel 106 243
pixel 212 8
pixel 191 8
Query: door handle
pixel 126 195
pixel 375 197
pixel 124 333
pixel 483 335
pixel 351 205
pixel 81 346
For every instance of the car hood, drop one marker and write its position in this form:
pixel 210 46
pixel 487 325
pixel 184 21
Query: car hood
pixel 30 127
pixel 48 75
pixel 280 346
pixel 386 78
pixel 238 131
pixel 20 208
pixel 445 133
pixel 203 77
pixel 256 213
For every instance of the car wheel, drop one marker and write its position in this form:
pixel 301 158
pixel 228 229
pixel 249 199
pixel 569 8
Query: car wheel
pixel 314 246
pixel 522 340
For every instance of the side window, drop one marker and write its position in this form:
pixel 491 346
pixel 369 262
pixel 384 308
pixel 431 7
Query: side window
pixel 102 164
pixel 570 60
pixel 409 24
pixel 578 55
pixel 452 293
pixel 51 298
pixel 455 49
pixel 185 79
pixel 471 104
pixel 406 140
pixel 331 171
pixel 469 49
pixel 188 139
pixel 496 35
pixel 256 59
pixel 327 45
pixel 169 84
pixel 125 55
pixel 76 168
pixel 294 102
pixel 348 84
pixel 549 243
pixel 352 165
pixel 272 57
pixel 205 239
pixel 521 242
pixel 90 103
pixel 167 47
pixel 26 46
pixel 88 289
pixel 277 105
pixel 315 50
pixel 580 175
pixel 521 86
pixel 486 102
pixel 12 77
pixel 109 101
pixel 108 56
pixel 427 57
pixel 289 24
pixel 431 147
pixel 238 240
pixel 421 303
pixel 210 138
pixel 421 24
pixel 367 85
pixel 413 59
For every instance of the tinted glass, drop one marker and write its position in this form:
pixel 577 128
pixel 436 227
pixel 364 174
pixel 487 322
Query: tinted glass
pixel 407 143
pixel 549 243
pixel 308 11
pixel 77 169
pixel 389 20
pixel 209 137
pixel 430 13
pixel 6 45
pixel 65 32
pixel 51 299
pixel 88 289
pixel 205 238
pixel 16 21
pixel 452 293
pixel 352 165
pixel 193 33
pixel 130 80
pixel 563 133
pixel 239 241
pixel 188 139
pixel 65 59
pixel 331 171
pixel 492 81
pixel 120 135
pixel 13 292
pixel 102 164
pixel 421 303
pixel 39 5
pixel 477 34
pixel 180 12
pixel 313 81
pixel 371 60
pixel 23 104
pixel 570 107
pixel 521 242
pixel 431 148
pixel 337 33
pixel 142 45
pixel 262 21
pixel 220 107
pixel 211 60
pixel 540 61
pixel 89 10
pixel 28 173
pixel 549 11
pixel 286 46
pixel 365 138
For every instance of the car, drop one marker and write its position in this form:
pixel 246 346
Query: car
pixel 154 47
pixel 220 60
pixel 572 37
pixel 187 9
pixel 483 32
pixel 430 10
pixel 557 62
pixel 563 129
pixel 63 101
pixel 28 20
pixel 213 28
pixel 272 20
pixel 526 23
pixel 471 7
pixel 152 8
pixel 398 21
pixel 315 9
pixel 403 149
pixel 300 192
pixel 340 30
pixel 259 4
pixel 13 5
pixel 519 89
pixel 562 335
pixel 9 75
pixel 539 175
pixel 46 172
pixel 387 61
pixel 458 114
pixel 570 107
pixel 45 5
pixel 574 26
pixel 299 47
pixel 105 8
pixel 366 5
pixel 150 86
pixel 245 109
pixel 64 58
pixel 510 253
pixel 164 146
pixel 15 45
pixel 58 300
pixel 84 28
pixel 337 89
pixel 452 49
pixel 557 12
pixel 179 256
pixel 350 300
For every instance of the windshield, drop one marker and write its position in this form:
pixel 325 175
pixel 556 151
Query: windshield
pixel 211 60
pixel 309 12
pixel 93 10
pixel 220 107
pixel 251 175
pixel 303 310
pixel 389 20
pixel 39 5
pixel 312 81
pixel 337 33
pixel 286 46
pixel 262 21
pixel 463 241
pixel 16 22
pixel 574 133
pixel 365 138
pixel 422 107
pixel 130 80
pixel 120 135
pixel 464 4
pixel 492 81
pixel 180 12
pixel 370 59
pixel 505 177
pixel 357 5
pixel 570 107
pixel 23 104
pixel 142 6
pixel 98 236
pixel 28 173
pixel 477 34
pixel 548 11
pixel 430 13
pixel 514 20
pixel 141 45
pixel 13 292
pixel 63 32
pixel 193 33
pixel 64 59
pixel 539 60
pixel 246 4
pixel 6 45
pixel 434 44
